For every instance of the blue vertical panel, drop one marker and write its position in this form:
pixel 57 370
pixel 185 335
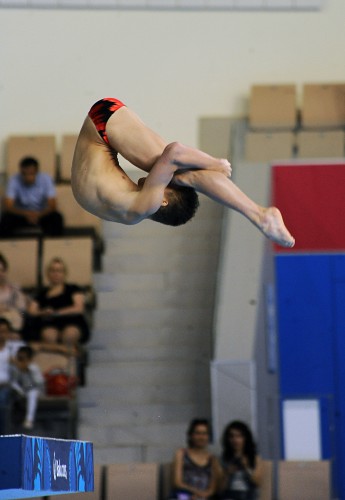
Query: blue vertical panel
pixel 339 356
pixel 311 340
pixel 304 304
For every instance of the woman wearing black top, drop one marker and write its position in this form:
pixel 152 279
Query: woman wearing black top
pixel 58 311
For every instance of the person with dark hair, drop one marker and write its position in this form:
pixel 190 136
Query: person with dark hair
pixel 30 201
pixel 195 468
pixel 168 194
pixel 27 381
pixel 242 468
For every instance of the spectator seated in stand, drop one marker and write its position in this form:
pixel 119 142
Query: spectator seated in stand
pixel 13 302
pixel 30 202
pixel 196 470
pixel 27 381
pixel 56 316
pixel 242 467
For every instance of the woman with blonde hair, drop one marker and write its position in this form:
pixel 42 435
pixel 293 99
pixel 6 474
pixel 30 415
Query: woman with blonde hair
pixel 58 311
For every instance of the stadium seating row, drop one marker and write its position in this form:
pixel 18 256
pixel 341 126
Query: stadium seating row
pixel 149 481
pixel 267 146
pixel 43 148
pixel 29 257
pixel 275 106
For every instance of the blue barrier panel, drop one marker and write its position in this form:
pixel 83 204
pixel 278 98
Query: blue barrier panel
pixel 34 466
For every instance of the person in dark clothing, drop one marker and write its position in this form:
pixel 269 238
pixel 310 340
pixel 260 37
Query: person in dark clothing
pixel 195 468
pixel 242 467
pixel 30 202
pixel 58 311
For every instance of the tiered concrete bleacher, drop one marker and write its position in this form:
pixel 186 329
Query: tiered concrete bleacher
pixel 43 147
pixel 296 481
pixel 274 131
pixel 28 254
pixel 56 413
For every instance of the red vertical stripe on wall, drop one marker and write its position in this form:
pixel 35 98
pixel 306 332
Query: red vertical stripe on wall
pixel 312 201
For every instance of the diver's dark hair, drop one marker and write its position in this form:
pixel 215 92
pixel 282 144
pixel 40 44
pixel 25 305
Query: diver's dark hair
pixel 250 449
pixel 182 205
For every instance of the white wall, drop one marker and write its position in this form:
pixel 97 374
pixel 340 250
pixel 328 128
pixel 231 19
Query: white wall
pixel 171 67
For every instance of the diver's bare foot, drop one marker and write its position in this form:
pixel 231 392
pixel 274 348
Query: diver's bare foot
pixel 224 166
pixel 272 225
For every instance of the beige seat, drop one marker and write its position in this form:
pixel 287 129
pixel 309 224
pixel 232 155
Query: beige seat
pixel 166 479
pixel 273 106
pixel 66 156
pixel 132 481
pixel 265 490
pixel 323 105
pixel 22 257
pixel 74 214
pixel 307 480
pixel 321 144
pixel 41 147
pixel 92 495
pixel 264 147
pixel 77 253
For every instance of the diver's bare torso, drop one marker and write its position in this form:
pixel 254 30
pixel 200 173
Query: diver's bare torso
pixel 99 184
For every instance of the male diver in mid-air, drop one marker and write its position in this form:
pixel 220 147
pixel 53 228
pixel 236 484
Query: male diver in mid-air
pixel 176 173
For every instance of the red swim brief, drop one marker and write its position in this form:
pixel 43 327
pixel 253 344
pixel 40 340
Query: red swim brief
pixel 100 113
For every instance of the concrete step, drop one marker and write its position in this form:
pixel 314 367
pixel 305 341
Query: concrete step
pixel 154 262
pixel 137 414
pixel 141 281
pixel 109 395
pixel 152 354
pixel 172 434
pixel 195 244
pixel 129 454
pixel 194 318
pixel 142 373
pixel 165 297
pixel 115 454
pixel 141 336
pixel 207 215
